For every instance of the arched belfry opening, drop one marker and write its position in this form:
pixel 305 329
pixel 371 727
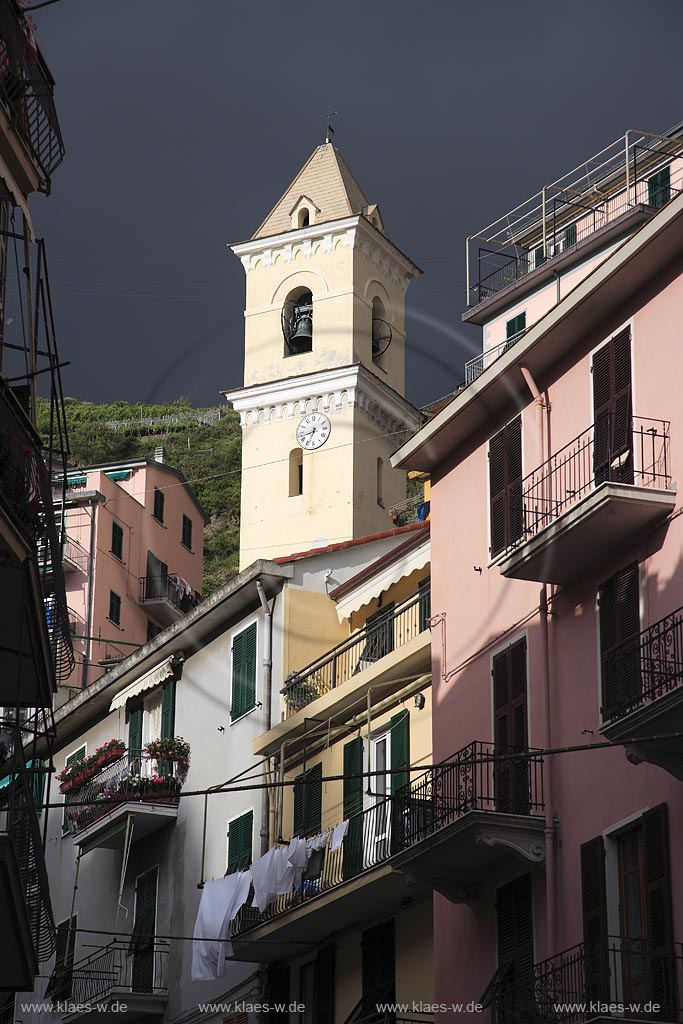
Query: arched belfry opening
pixel 297 322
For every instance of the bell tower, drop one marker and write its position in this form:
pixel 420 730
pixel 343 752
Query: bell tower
pixel 323 404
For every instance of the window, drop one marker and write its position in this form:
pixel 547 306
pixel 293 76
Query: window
pixel 424 603
pixel 152 630
pixel 77 755
pixel 659 188
pixel 303 217
pixel 619 619
pixel 117 541
pixel 240 839
pixel 60 983
pixel 296 472
pixel 515 326
pixel 243 672
pixel 380 482
pixel 352 854
pixel 511 778
pixel 381 332
pixel 114 608
pixel 297 322
pixel 505 486
pixel 570 236
pixel 378 960
pixel 158 505
pixel 308 802
pixel 142 939
pixel 380 636
pixel 612 411
pixel 515 933
pixel 186 537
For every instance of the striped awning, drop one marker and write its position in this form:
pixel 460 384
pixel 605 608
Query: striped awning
pixel 150 679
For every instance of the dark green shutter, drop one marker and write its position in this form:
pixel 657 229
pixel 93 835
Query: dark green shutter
pixel 505 486
pixel 324 986
pixel 135 730
pixel 659 901
pixel 243 672
pixel 378 964
pixel 353 806
pixel 240 840
pixel 659 188
pixel 515 935
pixel 594 907
pixel 145 925
pixel 515 325
pixel 619 617
pixel 511 777
pixel 400 750
pixel 308 802
pixel 168 710
pixel 60 984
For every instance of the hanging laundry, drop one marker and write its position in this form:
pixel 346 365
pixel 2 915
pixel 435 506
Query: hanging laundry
pixel 319 842
pixel 338 834
pixel 221 900
pixel 273 876
pixel 297 855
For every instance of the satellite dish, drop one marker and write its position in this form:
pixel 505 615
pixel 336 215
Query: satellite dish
pixel 381 337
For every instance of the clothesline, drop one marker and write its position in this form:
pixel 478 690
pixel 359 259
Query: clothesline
pixel 282 870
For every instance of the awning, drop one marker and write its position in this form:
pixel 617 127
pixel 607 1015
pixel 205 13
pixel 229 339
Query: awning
pixel 150 679
pixel 370 589
pixel 120 474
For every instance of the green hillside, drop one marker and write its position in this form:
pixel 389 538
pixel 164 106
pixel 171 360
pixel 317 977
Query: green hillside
pixel 204 444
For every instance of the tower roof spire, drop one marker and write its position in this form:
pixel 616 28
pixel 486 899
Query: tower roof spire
pixel 326 181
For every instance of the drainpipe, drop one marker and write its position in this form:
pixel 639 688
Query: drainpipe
pixel 91 595
pixel 549 832
pixel 267 700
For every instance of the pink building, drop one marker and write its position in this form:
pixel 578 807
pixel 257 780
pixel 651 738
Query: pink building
pixel 557 605
pixel 133 542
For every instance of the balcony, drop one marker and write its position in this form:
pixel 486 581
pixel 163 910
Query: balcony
pixel 583 212
pixel 167 597
pixel 476 366
pixel 443 832
pixel 26 94
pixel 642 693
pixel 26 922
pixel 125 973
pixel 589 501
pixel 100 801
pixel 374 642
pixel 587 983
pixel 412 510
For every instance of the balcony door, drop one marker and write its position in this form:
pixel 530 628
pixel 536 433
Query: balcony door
pixel 377 833
pixel 613 411
pixel 511 777
pixel 620 665
pixel 144 927
pixel 157 577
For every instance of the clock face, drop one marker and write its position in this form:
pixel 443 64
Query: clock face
pixel 313 430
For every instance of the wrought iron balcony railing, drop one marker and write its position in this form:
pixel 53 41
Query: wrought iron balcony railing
pixel 19 821
pixel 643 668
pixel 635 451
pixel 475 367
pixel 565 988
pixel 135 965
pixel 412 510
pixel 26 90
pixel 385 633
pixel 129 777
pixel 168 587
pixel 477 778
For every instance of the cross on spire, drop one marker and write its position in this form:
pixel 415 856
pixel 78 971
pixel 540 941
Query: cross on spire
pixel 329 130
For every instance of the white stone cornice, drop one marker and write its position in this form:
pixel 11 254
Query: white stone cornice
pixel 329 391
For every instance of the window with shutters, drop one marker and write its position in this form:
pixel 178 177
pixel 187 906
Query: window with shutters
pixel 77 755
pixel 61 980
pixel 352 850
pixel 512 779
pixel 659 188
pixel 144 927
pixel 159 499
pixel 186 535
pixel 240 842
pixel 613 411
pixel 378 960
pixel 308 802
pixel 243 690
pixel 515 944
pixel 114 608
pixel 505 487
pixel 117 541
pixel 515 326
pixel 619 622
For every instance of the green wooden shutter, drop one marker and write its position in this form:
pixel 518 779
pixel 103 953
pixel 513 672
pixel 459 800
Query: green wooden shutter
pixel 378 963
pixel 400 750
pixel 515 935
pixel 594 907
pixel 659 901
pixel 353 805
pixel 145 925
pixel 240 841
pixel 659 188
pixel 37 782
pixel 619 618
pixel 168 710
pixel 308 796
pixel 135 730
pixel 511 778
pixel 243 672
pixel 324 986
pixel 60 984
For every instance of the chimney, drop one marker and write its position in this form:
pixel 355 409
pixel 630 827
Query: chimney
pixel 159 454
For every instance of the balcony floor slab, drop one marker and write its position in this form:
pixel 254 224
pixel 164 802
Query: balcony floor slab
pixel 109 830
pixel 654 718
pixel 138 1006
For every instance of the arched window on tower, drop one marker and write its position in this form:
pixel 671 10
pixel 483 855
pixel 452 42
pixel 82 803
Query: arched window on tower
pixel 381 333
pixel 297 322
pixel 296 472
pixel 380 482
pixel 303 217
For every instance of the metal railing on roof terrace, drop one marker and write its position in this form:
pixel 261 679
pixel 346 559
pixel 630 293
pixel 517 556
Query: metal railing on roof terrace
pixel 638 169
pixel 633 451
pixel 475 367
pixel 476 778
pixel 26 90
pixel 386 632
pixel 412 510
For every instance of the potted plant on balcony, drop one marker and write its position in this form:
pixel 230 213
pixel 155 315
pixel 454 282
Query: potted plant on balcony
pixel 299 694
pixel 168 751
pixel 110 751
pixel 69 777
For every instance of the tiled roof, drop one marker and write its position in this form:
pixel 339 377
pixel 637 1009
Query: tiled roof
pixel 326 180
pixel 398 531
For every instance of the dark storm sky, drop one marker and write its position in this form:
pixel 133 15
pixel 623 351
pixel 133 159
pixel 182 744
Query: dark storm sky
pixel 184 120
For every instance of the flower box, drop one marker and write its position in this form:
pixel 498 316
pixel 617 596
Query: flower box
pixel 108 756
